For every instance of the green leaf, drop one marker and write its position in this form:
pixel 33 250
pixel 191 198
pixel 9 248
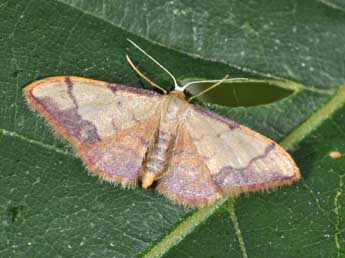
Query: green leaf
pixel 50 207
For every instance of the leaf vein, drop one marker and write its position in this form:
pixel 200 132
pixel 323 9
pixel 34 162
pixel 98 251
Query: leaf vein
pixel 234 220
pixel 181 231
pixel 26 139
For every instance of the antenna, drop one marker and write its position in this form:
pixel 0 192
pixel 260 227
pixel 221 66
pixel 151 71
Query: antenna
pixel 177 87
pixel 217 82
pixel 144 76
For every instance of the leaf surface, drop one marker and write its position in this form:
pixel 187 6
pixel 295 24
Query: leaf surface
pixel 50 207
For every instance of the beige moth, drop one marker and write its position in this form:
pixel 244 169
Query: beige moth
pixel 128 135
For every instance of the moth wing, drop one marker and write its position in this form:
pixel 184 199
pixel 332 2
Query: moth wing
pixel 238 159
pixel 110 126
pixel 188 180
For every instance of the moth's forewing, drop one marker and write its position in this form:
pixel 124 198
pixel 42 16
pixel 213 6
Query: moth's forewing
pixel 110 126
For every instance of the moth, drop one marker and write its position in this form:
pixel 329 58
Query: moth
pixel 127 135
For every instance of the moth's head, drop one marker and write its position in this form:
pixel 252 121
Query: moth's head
pixel 178 94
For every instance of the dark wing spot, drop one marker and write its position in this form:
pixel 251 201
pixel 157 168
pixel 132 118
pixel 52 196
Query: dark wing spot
pixel 80 128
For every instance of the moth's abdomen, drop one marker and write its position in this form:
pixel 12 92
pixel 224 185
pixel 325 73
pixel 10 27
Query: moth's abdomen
pixel 158 158
pixel 159 155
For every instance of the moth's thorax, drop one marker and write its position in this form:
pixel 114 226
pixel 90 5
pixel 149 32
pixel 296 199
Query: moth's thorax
pixel 175 107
